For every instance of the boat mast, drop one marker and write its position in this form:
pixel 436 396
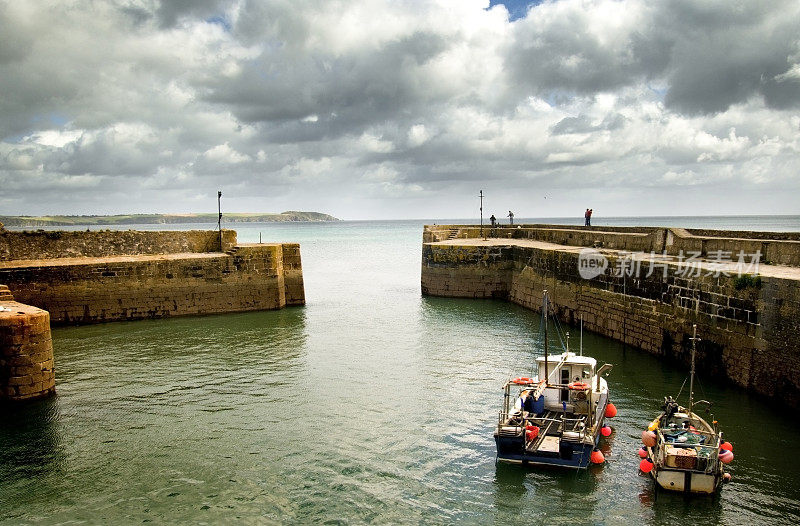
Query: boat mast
pixel 544 313
pixel 694 339
pixel 581 345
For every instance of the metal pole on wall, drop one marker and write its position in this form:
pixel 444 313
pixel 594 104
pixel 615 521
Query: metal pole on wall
pixel 219 219
pixel 481 195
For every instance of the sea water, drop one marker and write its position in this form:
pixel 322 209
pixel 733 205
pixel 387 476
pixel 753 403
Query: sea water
pixel 371 404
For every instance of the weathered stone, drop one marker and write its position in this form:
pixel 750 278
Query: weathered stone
pixel 26 367
pixel 91 290
pixel 753 344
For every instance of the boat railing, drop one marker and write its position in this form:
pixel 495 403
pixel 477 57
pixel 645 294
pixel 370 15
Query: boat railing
pixel 545 423
pixel 504 416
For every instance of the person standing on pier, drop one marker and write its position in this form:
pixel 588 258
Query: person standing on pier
pixel 493 219
pixel 511 218
pixel 588 217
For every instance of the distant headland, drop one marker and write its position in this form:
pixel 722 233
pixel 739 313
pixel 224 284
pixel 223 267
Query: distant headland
pixel 157 219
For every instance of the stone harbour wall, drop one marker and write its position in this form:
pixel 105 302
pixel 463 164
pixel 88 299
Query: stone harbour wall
pixel 26 351
pixel 93 290
pixel 748 328
pixel 294 289
pixel 467 271
pixel 41 244
pixel 775 248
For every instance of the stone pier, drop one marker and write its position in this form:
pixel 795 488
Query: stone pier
pixel 93 277
pixel 26 351
pixel 748 321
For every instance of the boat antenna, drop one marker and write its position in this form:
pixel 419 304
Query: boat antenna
pixel 694 339
pixel 544 315
pixel 567 338
pixel 581 345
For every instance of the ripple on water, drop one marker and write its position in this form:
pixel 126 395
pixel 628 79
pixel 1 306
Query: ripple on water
pixel 371 404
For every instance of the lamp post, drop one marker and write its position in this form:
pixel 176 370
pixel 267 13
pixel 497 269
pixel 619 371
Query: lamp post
pixel 219 218
pixel 481 196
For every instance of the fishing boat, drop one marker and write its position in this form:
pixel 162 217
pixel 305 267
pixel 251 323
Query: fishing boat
pixel 556 417
pixel 682 451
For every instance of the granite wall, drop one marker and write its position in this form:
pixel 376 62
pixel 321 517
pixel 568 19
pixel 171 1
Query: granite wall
pixel 748 327
pixel 775 248
pixel 43 244
pixel 92 290
pixel 27 370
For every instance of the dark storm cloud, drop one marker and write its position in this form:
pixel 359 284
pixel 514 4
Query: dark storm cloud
pixel 346 92
pixel 711 55
pixel 169 12
pixel 583 124
pixel 726 52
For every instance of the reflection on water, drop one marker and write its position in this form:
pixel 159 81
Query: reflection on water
pixel 31 442
pixel 370 404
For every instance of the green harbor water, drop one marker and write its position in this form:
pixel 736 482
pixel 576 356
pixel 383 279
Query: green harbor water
pixel 371 404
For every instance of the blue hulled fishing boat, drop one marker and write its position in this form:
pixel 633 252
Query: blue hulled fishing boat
pixel 556 417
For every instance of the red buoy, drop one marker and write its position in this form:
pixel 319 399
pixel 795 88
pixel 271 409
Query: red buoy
pixel 605 431
pixel 597 457
pixel 646 465
pixel 726 446
pixel 726 456
pixel 642 452
pixel 531 432
pixel 611 410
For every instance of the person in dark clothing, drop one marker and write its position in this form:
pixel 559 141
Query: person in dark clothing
pixel 586 218
pixel 511 218
pixel 493 219
pixel 589 218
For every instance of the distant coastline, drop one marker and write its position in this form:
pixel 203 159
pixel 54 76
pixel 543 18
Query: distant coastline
pixel 159 219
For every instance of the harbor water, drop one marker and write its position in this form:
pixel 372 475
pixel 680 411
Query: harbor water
pixel 371 404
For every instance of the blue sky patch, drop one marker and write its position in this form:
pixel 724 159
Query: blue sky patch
pixel 516 8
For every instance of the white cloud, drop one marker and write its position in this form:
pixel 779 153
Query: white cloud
pixel 223 153
pixel 417 135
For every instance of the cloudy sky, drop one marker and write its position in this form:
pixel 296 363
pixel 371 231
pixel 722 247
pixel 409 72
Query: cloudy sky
pixel 400 108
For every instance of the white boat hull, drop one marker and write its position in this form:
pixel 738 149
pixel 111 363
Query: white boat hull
pixel 686 481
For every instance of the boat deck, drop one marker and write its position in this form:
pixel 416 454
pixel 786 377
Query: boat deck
pixel 551 427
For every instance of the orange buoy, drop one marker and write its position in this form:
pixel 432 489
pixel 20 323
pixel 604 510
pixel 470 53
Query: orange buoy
pixel 726 477
pixel 646 465
pixel 726 456
pixel 726 446
pixel 605 431
pixel 522 380
pixel 611 410
pixel 642 452
pixel 649 438
pixel 597 457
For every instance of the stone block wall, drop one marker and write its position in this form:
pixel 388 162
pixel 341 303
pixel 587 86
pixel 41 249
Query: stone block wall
pixel 293 275
pixel 748 334
pixel 249 277
pixel 27 370
pixel 781 248
pixel 42 244
pixel 466 271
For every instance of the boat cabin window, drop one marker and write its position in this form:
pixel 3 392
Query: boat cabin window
pixel 565 373
pixel 587 372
